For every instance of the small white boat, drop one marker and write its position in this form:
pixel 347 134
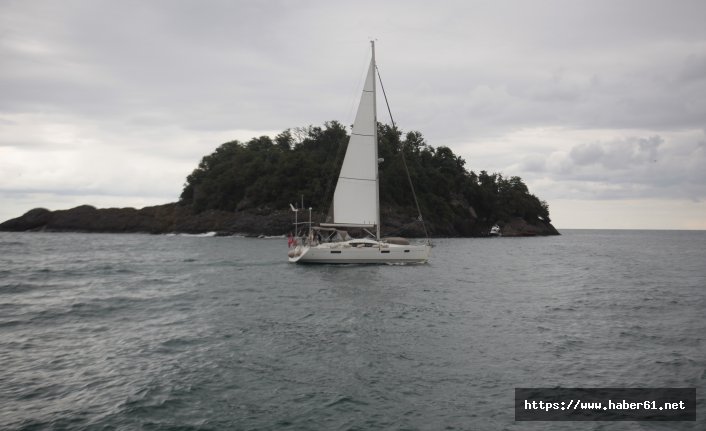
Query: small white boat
pixel 356 202
pixel 495 231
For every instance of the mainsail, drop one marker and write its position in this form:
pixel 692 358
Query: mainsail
pixel 355 201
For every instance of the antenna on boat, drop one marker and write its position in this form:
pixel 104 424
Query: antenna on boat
pixel 296 221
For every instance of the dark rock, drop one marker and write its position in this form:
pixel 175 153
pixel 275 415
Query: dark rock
pixel 521 227
pixel 32 220
pixel 155 219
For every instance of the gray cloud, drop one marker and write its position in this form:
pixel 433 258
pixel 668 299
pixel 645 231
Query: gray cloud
pixel 694 69
pixel 626 168
pixel 221 64
pixel 617 155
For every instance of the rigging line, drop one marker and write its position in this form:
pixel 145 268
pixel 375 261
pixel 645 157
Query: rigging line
pixel 404 159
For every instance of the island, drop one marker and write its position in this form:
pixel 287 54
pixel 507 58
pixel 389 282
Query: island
pixel 247 188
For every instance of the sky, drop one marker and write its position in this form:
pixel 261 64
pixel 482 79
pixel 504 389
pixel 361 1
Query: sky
pixel 600 106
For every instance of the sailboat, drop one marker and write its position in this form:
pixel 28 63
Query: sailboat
pixel 356 202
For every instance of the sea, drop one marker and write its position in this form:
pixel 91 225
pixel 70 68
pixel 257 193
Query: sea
pixel 178 332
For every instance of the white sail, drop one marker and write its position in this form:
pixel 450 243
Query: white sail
pixel 355 201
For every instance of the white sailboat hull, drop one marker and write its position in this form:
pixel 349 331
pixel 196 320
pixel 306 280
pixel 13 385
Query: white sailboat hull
pixel 345 253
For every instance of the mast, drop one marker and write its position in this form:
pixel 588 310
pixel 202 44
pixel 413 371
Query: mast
pixel 377 164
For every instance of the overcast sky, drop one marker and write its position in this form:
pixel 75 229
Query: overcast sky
pixel 600 106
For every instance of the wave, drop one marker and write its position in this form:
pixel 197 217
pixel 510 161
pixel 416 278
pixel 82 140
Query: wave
pixel 19 288
pixel 197 235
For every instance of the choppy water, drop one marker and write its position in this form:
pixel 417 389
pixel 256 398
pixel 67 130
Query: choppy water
pixel 156 332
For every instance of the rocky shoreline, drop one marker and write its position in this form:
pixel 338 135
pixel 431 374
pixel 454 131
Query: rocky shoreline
pixel 176 218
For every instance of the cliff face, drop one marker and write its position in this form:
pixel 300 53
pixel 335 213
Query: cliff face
pixel 173 217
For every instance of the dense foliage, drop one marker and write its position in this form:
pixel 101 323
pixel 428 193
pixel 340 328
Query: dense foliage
pixel 267 174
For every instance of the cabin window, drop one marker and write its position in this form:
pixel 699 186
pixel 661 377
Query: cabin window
pixel 361 244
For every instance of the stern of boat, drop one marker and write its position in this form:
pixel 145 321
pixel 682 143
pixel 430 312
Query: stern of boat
pixel 296 253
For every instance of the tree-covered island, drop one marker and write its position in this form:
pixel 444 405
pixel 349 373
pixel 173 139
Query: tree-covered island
pixel 246 187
